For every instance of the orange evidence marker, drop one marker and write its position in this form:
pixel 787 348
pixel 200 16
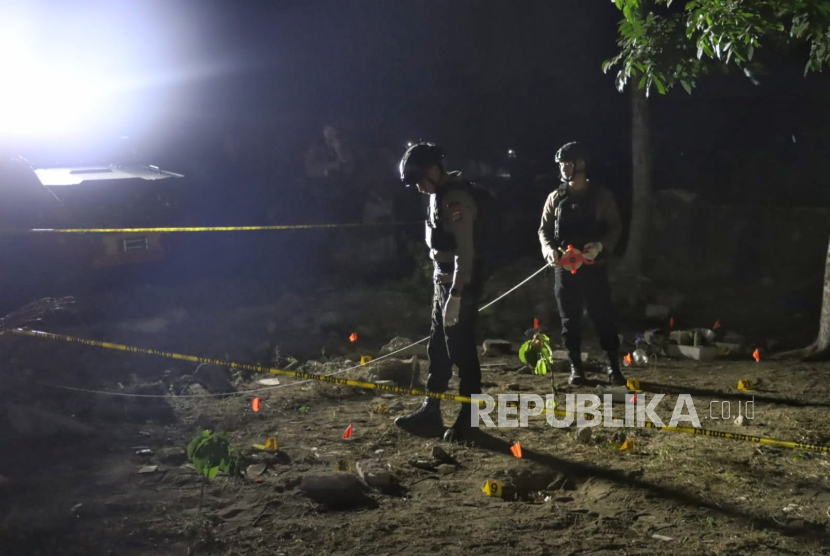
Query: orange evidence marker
pixel 756 355
pixel 348 433
pixel 627 359
pixel 633 399
pixel 535 323
pixel 353 337
pixel 516 450
pixel 256 403
pixel 716 325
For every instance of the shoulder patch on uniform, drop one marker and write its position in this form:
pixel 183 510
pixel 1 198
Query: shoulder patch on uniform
pixel 456 215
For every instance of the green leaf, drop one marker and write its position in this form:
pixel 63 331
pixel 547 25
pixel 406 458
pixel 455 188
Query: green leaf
pixel 750 51
pixel 660 88
pixel 191 448
pixel 541 367
pixel 686 86
pixel 212 472
pixel 627 12
pixel 523 352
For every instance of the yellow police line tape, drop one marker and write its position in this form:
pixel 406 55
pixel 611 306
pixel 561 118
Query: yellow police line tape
pixel 203 228
pixel 394 389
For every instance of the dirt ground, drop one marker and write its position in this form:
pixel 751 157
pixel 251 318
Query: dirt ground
pixel 79 492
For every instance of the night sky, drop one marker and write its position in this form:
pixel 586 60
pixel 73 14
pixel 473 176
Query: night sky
pixel 479 77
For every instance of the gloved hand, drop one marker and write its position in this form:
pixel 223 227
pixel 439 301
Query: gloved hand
pixel 591 250
pixel 451 310
pixel 553 257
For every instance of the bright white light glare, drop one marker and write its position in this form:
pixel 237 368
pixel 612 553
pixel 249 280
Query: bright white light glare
pixel 409 144
pixel 37 98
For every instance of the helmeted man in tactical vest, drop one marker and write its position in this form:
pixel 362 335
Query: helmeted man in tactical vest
pixel 583 215
pixel 453 235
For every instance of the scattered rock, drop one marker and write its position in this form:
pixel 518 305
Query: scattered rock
pixel 337 490
pixel 404 373
pixel 419 350
pixel 203 422
pixel 173 456
pixel 374 473
pixel 494 348
pixel 561 354
pixel 144 452
pixel 662 537
pixel 791 508
pixel 269 381
pixel 584 435
pixel 740 420
pixel 439 454
pixel 421 464
pixel 148 469
pixel 527 480
pixel 657 311
pixel 213 378
pixel 255 470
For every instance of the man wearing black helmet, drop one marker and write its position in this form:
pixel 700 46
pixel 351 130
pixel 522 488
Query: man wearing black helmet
pixel 452 235
pixel 583 215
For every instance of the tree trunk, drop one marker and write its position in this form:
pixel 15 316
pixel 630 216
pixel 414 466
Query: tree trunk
pixel 823 340
pixel 820 349
pixel 640 182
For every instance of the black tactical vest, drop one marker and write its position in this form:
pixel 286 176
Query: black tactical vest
pixel 576 218
pixel 436 236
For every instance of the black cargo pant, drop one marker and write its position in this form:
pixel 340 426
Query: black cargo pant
pixel 456 344
pixel 588 285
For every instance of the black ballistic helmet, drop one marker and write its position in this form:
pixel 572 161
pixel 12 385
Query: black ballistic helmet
pixel 571 152
pixel 417 160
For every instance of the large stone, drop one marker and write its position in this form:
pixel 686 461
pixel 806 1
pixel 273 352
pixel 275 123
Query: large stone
pixel 213 378
pixel 699 353
pixel 494 348
pixel 173 456
pixel 403 373
pixel 418 350
pixel 374 473
pixel 337 490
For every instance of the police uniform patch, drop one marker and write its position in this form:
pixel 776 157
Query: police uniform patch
pixel 456 215
pixel 455 208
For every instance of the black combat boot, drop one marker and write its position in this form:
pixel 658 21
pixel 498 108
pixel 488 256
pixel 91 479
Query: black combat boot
pixel 615 376
pixel 577 377
pixel 425 419
pixel 461 430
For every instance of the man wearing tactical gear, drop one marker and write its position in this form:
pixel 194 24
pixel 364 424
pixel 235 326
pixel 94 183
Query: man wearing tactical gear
pixel 452 235
pixel 584 215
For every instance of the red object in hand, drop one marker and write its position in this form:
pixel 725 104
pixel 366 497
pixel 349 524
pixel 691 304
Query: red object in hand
pixel 573 258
